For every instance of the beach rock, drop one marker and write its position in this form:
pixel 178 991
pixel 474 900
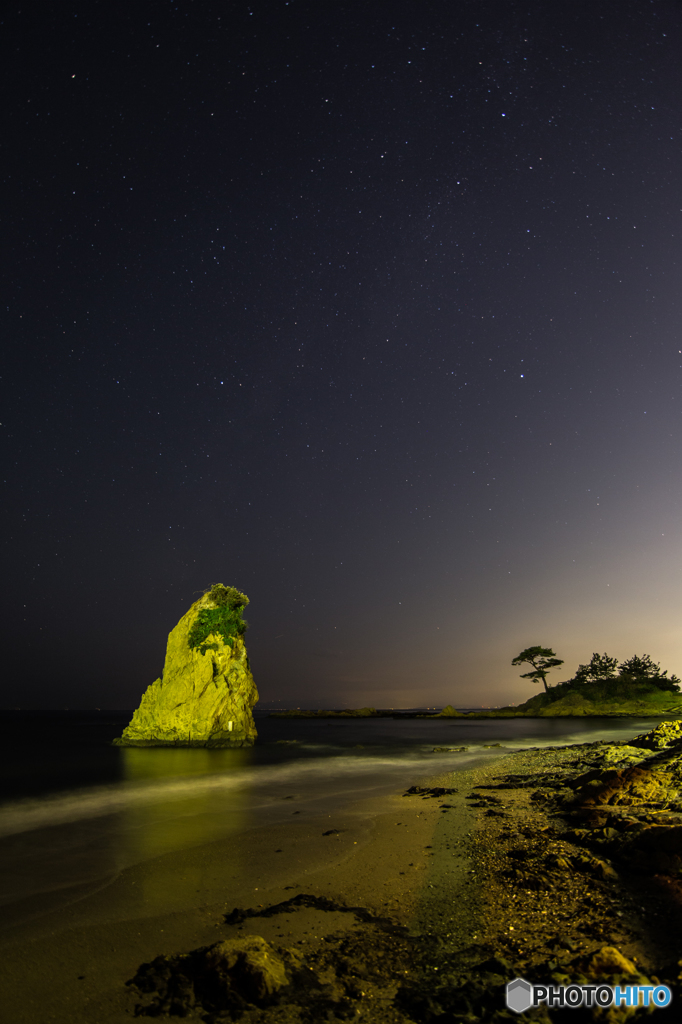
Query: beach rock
pixel 205 695
pixel 621 754
pixel 662 736
pixel 250 979
pixel 656 848
pixel 557 861
pixel 495 965
pixel 635 785
pixel 229 976
pixel 249 965
pixel 431 792
pixel 609 961
pixel 606 966
pixel 595 866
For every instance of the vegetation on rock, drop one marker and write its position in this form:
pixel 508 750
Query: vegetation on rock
pixel 601 678
pixel 224 620
pixel 602 686
pixel 636 671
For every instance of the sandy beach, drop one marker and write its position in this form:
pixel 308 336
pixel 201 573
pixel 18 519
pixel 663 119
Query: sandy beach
pixel 394 856
pixel 403 908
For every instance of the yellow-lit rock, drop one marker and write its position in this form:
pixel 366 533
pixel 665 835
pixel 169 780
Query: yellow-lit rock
pixel 250 965
pixel 201 700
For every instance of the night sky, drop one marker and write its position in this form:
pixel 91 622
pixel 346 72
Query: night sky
pixel 370 310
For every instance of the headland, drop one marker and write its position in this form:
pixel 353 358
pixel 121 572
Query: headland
pixel 610 699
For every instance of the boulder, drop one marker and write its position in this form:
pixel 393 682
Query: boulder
pixel 250 965
pixel 664 735
pixel 635 785
pixel 609 962
pixel 654 849
pixel 225 979
pixel 205 695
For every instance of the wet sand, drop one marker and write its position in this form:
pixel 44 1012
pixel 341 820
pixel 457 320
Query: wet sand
pixel 414 905
pixel 394 856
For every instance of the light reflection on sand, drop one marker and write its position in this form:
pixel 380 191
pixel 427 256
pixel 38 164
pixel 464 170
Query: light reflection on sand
pixel 191 817
pixel 162 776
pixel 170 800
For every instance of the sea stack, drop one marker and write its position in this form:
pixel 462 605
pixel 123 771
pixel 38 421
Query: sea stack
pixel 205 695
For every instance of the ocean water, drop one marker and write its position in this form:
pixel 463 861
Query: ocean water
pixel 76 811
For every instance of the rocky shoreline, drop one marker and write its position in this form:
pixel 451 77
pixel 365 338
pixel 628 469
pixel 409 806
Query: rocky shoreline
pixel 570 871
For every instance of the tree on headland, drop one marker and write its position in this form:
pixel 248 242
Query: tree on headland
pixel 601 666
pixel 639 670
pixel 542 659
pixel 644 668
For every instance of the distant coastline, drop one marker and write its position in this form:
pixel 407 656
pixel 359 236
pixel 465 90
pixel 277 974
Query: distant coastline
pixel 593 702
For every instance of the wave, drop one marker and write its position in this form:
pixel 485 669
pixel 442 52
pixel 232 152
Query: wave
pixel 331 772
pixel 30 814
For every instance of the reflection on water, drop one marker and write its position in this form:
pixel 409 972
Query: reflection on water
pixel 142 763
pixel 169 803
pixel 169 800
pixel 197 816
pixel 183 815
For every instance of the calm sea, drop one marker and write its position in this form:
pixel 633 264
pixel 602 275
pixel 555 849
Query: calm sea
pixel 75 811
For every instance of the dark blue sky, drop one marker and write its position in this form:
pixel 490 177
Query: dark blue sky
pixel 372 311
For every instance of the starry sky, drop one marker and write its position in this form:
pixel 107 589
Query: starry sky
pixel 369 310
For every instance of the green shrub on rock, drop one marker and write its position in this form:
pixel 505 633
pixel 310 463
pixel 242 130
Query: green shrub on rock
pixel 224 620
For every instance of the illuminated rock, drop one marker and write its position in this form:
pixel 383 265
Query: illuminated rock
pixel 205 695
pixel 662 736
pixel 250 965
pixel 633 785
pixel 230 976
